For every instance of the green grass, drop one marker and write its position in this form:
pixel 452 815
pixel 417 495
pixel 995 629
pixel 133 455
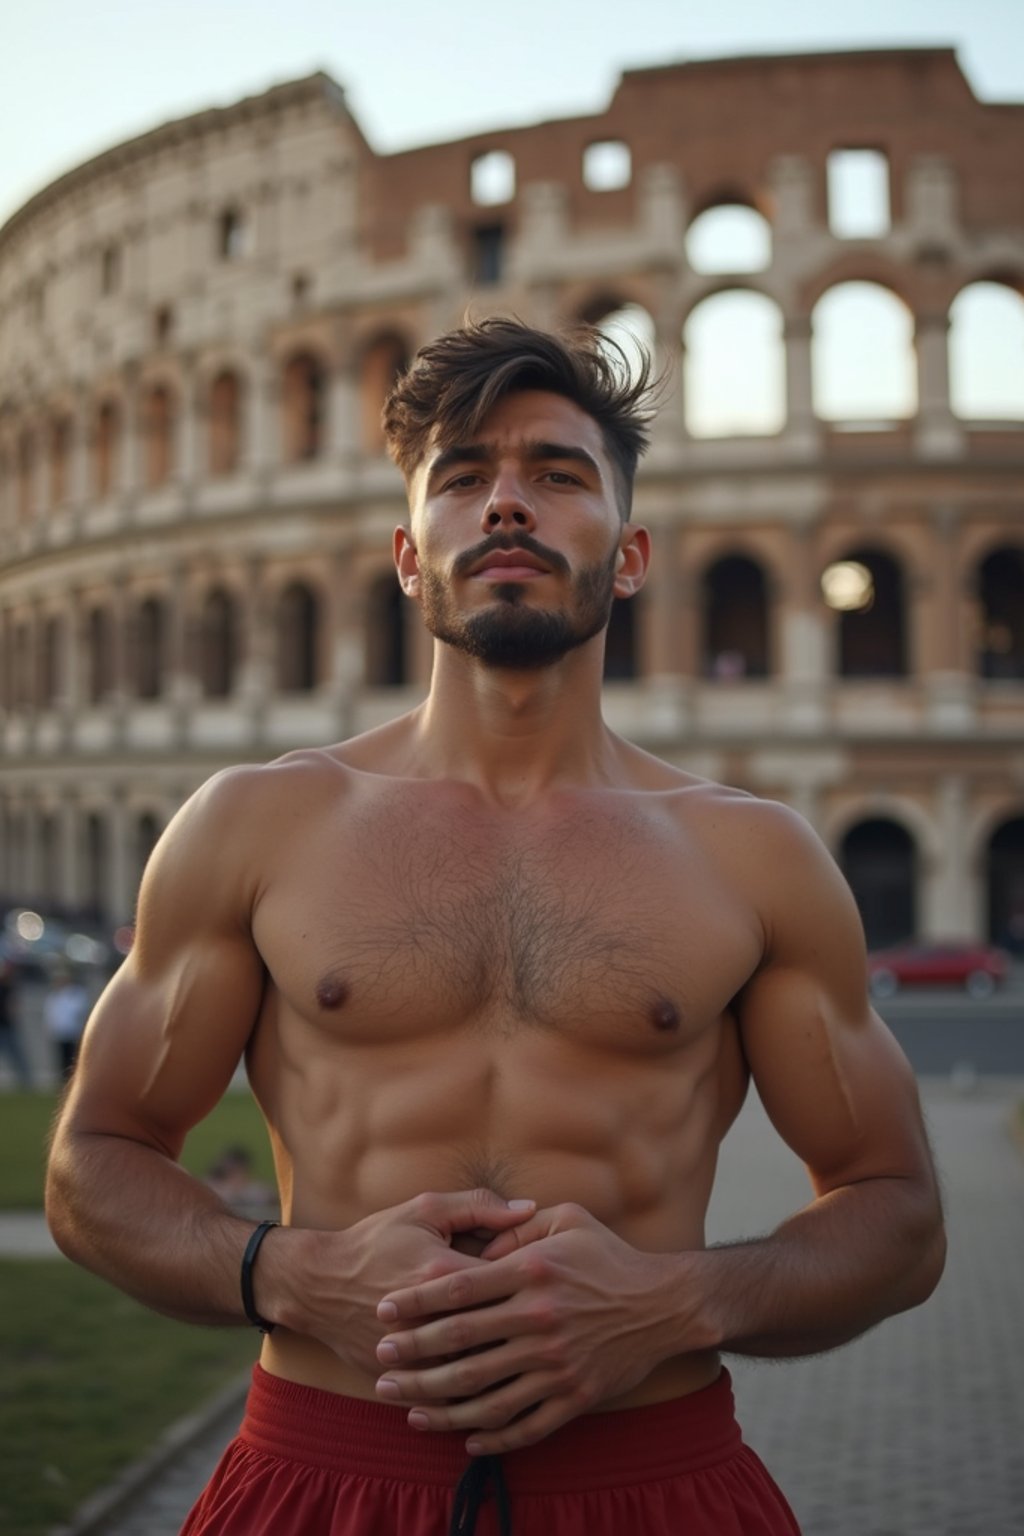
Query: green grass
pixel 88 1379
pixel 25 1124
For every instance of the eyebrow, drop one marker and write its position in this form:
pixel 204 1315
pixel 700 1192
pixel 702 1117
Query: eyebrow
pixel 534 451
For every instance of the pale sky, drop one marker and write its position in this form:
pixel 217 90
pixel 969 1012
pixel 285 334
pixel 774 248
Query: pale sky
pixel 78 78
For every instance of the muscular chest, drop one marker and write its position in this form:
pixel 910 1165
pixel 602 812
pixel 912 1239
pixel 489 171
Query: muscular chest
pixel 592 919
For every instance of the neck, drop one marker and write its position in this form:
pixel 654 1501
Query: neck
pixel 516 734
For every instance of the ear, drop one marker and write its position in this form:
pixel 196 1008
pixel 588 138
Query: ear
pixel 632 560
pixel 407 562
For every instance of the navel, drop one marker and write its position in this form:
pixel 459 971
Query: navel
pixel 332 992
pixel 664 1015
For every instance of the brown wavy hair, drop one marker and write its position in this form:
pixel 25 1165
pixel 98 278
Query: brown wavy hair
pixel 455 381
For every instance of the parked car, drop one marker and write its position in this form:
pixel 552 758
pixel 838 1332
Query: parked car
pixel 978 968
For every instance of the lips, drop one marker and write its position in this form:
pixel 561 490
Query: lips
pixel 508 562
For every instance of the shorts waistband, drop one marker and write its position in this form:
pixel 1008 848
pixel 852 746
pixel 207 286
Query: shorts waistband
pixel 631 1445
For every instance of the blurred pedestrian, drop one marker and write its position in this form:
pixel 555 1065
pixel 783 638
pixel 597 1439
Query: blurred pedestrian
pixel 65 1010
pixel 10 1039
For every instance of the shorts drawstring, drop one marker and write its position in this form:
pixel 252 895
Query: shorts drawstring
pixel 473 1488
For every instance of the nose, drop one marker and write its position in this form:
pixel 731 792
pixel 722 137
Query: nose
pixel 508 506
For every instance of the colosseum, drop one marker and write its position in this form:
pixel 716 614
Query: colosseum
pixel 197 330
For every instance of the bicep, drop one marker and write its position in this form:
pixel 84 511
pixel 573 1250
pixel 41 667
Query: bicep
pixel 832 1078
pixel 168 1031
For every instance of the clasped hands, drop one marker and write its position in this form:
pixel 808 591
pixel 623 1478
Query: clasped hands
pixel 558 1315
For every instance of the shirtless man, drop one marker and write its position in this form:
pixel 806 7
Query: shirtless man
pixel 501 980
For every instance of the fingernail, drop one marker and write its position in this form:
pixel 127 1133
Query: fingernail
pixel 474 1447
pixel 387 1353
pixel 521 1205
pixel 418 1420
pixel 387 1311
pixel 386 1388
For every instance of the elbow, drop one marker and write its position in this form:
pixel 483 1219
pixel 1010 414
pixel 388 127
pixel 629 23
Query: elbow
pixel 933 1261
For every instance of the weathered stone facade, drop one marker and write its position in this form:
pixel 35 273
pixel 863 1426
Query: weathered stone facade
pixel 196 333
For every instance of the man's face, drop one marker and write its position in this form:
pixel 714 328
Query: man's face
pixel 516 534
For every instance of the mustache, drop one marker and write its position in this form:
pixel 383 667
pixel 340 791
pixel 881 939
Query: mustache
pixel 507 542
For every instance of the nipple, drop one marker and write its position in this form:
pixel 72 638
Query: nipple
pixel 665 1015
pixel 332 992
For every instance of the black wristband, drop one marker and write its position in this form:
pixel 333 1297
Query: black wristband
pixel 248 1260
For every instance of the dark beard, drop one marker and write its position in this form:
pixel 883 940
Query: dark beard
pixel 513 635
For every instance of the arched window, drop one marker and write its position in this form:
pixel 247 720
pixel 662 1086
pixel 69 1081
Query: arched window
pixel 879 859
pixel 631 330
pixel 620 647
pixel 1006 885
pixel 729 238
pixel 735 366
pixel 382 362
pixel 858 194
pixel 607 165
pixel 159 428
pixel 492 178
pixel 735 613
pixel 149 649
pixel 225 423
pixel 99 655
pixel 51 679
pixel 303 396
pixel 26 475
pixel 865 588
pixel 218 644
pixel 232 235
pixel 1001 603
pixel 986 353
pixel 105 448
pixel 864 371
pixel 297 639
pixel 387 660
pixel 60 459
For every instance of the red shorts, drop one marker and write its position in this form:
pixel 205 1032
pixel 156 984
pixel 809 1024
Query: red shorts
pixel 311 1463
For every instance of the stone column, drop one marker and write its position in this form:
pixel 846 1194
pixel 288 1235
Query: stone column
pixel 937 432
pixel 69 852
pixel 262 433
pixel 119 897
pixel 256 676
pixel 187 434
pixel 131 445
pixel 804 640
pixel 343 414
pixel 947 893
pixel 44 471
pixel 78 468
pixel 802 431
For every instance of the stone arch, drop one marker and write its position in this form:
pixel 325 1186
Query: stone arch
pixel 872 630
pixel 999 583
pixel 224 417
pixel 880 859
pixel 729 236
pixel 159 423
pixel 863 365
pixel 218 643
pixel 734 365
pixel 735 638
pixel 986 351
pixel 106 447
pixel 1004 871
pixel 382 360
pixel 149 648
pixel 303 406
pixel 298 638
pixel 99 654
pixel 386 649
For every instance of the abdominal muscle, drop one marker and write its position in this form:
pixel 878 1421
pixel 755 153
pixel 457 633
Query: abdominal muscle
pixel 645 1174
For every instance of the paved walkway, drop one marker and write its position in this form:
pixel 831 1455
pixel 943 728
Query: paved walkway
pixel 915 1430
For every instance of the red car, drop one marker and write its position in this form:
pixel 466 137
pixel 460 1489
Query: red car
pixel 978 968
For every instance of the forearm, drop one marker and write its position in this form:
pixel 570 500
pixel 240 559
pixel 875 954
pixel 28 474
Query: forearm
pixel 826 1275
pixel 130 1214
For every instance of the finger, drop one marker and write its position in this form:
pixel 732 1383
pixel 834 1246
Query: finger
pixel 476 1286
pixel 490 1412
pixel 527 1430
pixel 462 1210
pixel 452 1334
pixel 515 1238
pixel 469 1376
